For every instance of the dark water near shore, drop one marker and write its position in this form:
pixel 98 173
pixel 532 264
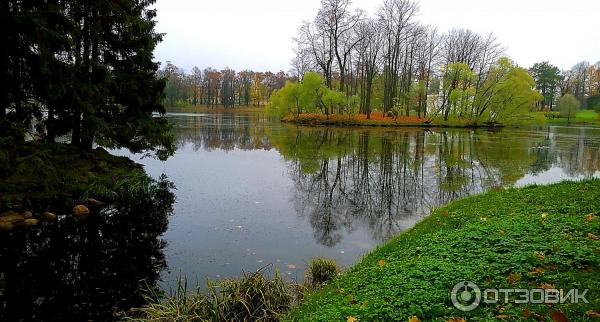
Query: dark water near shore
pixel 252 192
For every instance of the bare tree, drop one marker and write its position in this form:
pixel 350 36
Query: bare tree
pixel 479 53
pixel 428 50
pixel 302 62
pixel 395 17
pixel 320 45
pixel 368 53
pixel 338 22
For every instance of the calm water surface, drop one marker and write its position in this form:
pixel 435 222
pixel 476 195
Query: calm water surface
pixel 252 191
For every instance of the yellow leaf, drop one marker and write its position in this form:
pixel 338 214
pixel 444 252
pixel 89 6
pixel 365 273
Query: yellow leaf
pixel 539 255
pixel 414 318
pixel 592 314
pixel 514 278
pixel 351 319
pixel 381 263
pixel 589 217
pixel 503 316
pixel 536 271
pixel 592 236
pixel 456 320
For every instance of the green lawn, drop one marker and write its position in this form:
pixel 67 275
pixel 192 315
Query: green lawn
pixel 537 236
pixel 582 117
pixel 587 115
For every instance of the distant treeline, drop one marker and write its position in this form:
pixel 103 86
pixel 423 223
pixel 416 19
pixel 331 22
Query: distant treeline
pixel 226 88
pixel 581 81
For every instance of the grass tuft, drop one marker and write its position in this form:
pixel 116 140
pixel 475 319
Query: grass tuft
pixel 251 297
pixel 320 271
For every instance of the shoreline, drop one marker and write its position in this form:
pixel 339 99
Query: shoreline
pixel 499 239
pixel 533 237
pixel 388 122
pixel 217 109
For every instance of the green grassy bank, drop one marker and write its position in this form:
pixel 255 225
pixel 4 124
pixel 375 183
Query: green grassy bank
pixel 533 237
pixel 585 117
pixel 40 176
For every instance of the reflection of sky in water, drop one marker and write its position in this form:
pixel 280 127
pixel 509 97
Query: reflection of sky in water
pixel 552 175
pixel 243 202
pixel 233 213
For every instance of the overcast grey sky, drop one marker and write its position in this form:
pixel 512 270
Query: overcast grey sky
pixel 257 34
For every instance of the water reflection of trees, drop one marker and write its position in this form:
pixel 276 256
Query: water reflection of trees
pixel 85 270
pixel 222 131
pixel 383 182
pixel 578 149
pixel 386 179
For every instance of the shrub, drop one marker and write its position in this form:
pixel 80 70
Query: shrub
pixel 320 271
pixel 552 115
pixel 251 297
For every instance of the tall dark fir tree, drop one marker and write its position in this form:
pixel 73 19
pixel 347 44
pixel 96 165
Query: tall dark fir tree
pixel 84 68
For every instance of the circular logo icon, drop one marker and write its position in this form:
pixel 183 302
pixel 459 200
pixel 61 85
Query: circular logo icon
pixel 465 296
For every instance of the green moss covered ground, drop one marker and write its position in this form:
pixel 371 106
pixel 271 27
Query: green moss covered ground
pixel 533 237
pixel 41 176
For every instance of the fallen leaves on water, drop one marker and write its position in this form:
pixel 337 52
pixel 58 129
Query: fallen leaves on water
pixel 351 319
pixel 514 278
pixel 291 266
pixel 558 316
pixel 414 318
pixel 381 263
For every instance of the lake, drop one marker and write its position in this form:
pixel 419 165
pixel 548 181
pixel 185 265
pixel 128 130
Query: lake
pixel 252 191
